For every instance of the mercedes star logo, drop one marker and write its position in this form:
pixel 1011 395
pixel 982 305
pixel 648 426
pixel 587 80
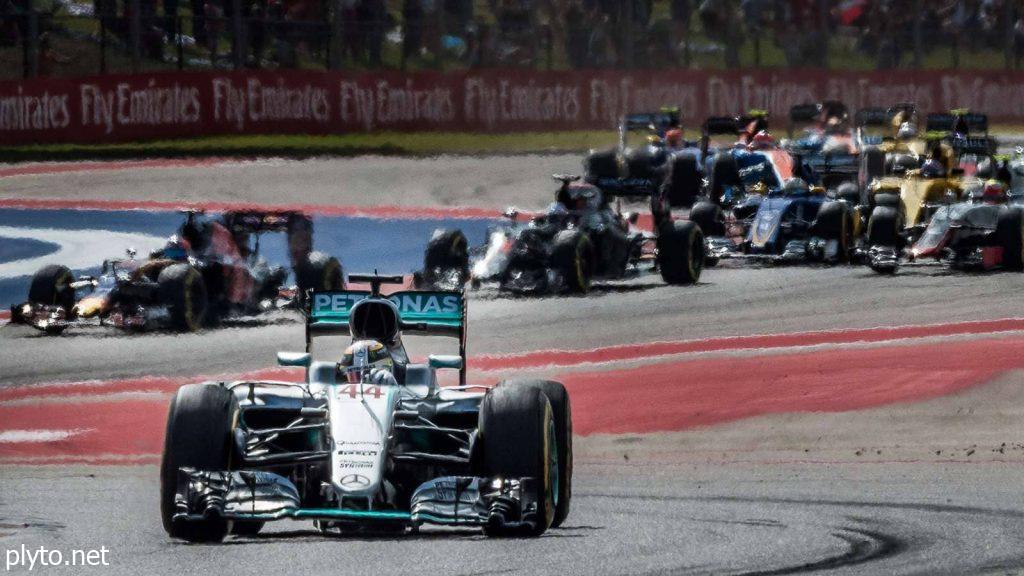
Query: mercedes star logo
pixel 355 480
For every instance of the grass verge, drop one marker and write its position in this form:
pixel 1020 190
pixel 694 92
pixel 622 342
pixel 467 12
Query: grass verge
pixel 302 146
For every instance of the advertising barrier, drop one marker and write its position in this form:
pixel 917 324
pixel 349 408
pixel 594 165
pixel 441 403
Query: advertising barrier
pixel 118 108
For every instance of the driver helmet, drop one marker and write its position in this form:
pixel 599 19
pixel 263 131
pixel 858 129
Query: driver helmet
pixel 906 131
pixel 176 248
pixel 932 168
pixel 902 163
pixel 985 169
pixel 363 360
pixel 557 209
pixel 795 186
pixel 674 138
pixel 762 141
pixel 994 192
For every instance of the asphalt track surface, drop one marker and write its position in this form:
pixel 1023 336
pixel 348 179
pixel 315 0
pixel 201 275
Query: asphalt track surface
pixel 807 450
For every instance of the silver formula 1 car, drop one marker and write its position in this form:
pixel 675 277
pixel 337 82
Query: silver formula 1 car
pixel 364 456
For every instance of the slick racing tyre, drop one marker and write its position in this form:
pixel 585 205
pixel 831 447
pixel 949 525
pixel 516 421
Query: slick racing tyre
pixel 709 217
pixel 51 285
pixel 835 222
pixel 640 163
pixel 884 227
pixel 1010 234
pixel 182 290
pixel 683 181
pixel 849 192
pixel 319 272
pixel 680 252
pixel 601 164
pixel 572 256
pixel 198 436
pixel 562 409
pixel 517 426
pixel 724 172
pixel 446 257
pixel 872 166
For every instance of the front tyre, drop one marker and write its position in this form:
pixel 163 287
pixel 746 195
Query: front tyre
pixel 183 291
pixel 884 227
pixel 51 285
pixel 835 222
pixel 572 256
pixel 517 426
pixel 681 252
pixel 559 399
pixel 198 436
pixel 709 217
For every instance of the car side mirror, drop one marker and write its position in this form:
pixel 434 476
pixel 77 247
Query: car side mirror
pixel 445 361
pixel 298 359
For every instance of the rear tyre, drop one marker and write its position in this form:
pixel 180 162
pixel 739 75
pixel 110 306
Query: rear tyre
pixel 318 272
pixel 709 217
pixel 601 164
pixel 1010 232
pixel 559 399
pixel 517 426
pixel 573 257
pixel 835 222
pixel 51 285
pixel 724 172
pixel 198 436
pixel 182 290
pixel 681 252
pixel 447 252
pixel 683 181
pixel 884 227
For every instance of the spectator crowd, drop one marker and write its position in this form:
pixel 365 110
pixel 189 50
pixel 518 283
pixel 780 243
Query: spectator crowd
pixel 534 33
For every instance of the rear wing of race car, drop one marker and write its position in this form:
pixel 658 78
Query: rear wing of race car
pixel 255 221
pixel 802 114
pixel 425 313
pixel 875 118
pixel 657 121
pixel 871 117
pixel 957 121
pixel 717 126
pixel 975 145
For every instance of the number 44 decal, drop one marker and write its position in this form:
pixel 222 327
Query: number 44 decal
pixel 354 391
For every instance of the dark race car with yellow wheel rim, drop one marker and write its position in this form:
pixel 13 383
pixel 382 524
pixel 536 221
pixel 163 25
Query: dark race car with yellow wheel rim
pixel 209 270
pixel 580 238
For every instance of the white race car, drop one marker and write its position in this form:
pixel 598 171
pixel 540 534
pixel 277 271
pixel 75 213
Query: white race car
pixel 362 456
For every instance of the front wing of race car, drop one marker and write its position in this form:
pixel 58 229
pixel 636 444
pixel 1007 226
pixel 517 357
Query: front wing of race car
pixel 265 496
